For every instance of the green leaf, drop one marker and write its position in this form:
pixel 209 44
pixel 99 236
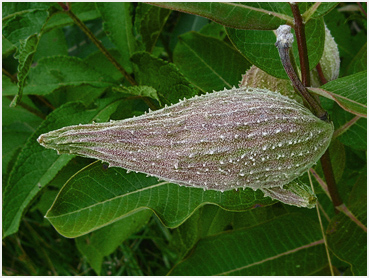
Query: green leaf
pixel 151 24
pixel 52 73
pixel 51 43
pixel 318 9
pixel 259 47
pixel 251 15
pixel 170 84
pixel 7 48
pixel 209 63
pixel 101 64
pixel 96 245
pixel 96 197
pixel 118 26
pixel 27 50
pixel 348 92
pixel 85 11
pixel 22 25
pixel 347 236
pixel 211 220
pixel 9 88
pixel 142 91
pixel 17 125
pixel 36 166
pixel 292 242
pixel 359 62
pixel 350 130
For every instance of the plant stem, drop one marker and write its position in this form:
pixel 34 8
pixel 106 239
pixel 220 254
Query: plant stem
pixel 330 180
pixel 284 43
pixel 100 46
pixel 299 27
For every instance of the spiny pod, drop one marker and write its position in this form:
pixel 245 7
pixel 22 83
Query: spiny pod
pixel 236 138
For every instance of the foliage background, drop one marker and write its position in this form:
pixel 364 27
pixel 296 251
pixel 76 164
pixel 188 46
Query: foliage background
pixel 66 79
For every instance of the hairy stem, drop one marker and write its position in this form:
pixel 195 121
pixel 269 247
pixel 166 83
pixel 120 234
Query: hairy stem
pixel 299 27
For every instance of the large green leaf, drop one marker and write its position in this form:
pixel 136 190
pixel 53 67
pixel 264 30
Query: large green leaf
pixel 118 26
pixel 96 245
pixel 259 47
pixel 165 77
pixel 52 73
pixel 251 15
pixel 96 197
pixel 349 92
pixel 288 245
pixel 209 63
pixel 36 166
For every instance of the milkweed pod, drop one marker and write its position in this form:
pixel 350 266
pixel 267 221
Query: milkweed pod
pixel 235 138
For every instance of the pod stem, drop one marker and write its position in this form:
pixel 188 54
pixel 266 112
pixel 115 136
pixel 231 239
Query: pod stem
pixel 283 44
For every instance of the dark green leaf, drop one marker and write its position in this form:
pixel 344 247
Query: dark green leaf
pixel 9 88
pixel 51 43
pixel 95 246
pixel 97 196
pixel 142 91
pixel 151 24
pixel 348 92
pixel 252 15
pixel 347 237
pixel 359 62
pixel 288 245
pixel 209 63
pixel 52 73
pixel 170 84
pixel 118 26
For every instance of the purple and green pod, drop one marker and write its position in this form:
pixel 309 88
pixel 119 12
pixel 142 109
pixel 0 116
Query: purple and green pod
pixel 236 138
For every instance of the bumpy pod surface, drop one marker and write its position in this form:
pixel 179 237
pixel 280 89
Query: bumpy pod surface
pixel 234 138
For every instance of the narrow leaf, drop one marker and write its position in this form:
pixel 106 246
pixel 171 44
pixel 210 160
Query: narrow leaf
pixel 27 50
pixel 252 15
pixel 209 63
pixel 96 197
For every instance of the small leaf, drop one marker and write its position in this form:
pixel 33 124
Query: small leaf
pixel 96 197
pixel 209 63
pixel 52 73
pixel 142 91
pixel 118 26
pixel 348 92
pixel 95 246
pixel 359 62
pixel 252 15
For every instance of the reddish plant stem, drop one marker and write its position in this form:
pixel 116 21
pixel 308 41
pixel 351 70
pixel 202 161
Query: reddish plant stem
pixel 322 78
pixel 299 27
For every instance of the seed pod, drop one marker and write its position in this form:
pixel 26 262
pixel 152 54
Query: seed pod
pixel 330 61
pixel 230 139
